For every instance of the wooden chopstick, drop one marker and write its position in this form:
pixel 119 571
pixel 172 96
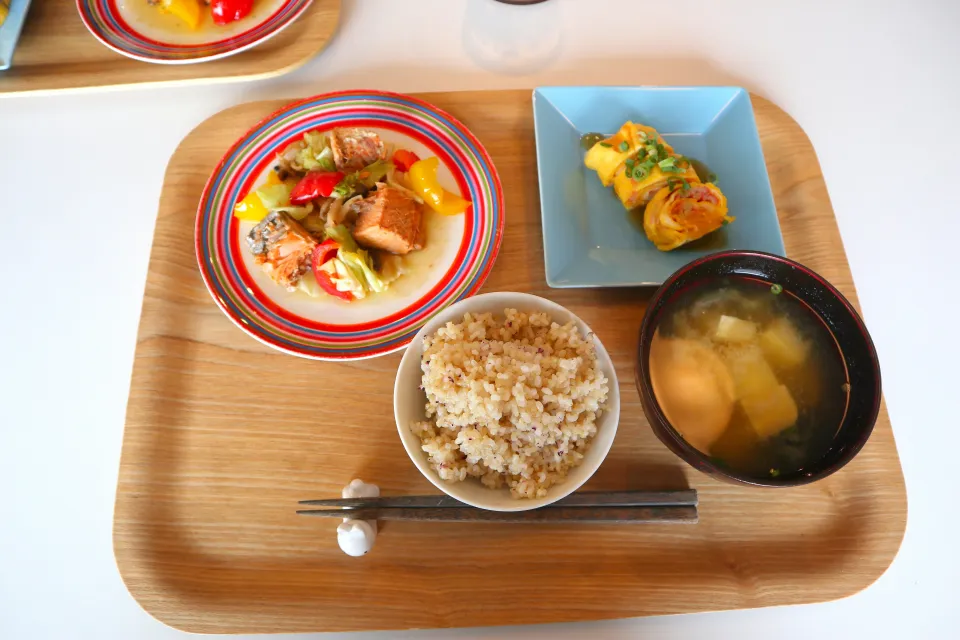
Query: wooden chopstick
pixel 686 497
pixel 544 515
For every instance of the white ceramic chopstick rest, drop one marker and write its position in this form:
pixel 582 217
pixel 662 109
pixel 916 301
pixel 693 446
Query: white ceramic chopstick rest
pixel 356 537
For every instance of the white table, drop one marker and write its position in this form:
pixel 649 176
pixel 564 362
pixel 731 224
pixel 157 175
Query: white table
pixel 874 83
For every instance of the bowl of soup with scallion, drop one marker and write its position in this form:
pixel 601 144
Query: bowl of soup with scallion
pixel 755 369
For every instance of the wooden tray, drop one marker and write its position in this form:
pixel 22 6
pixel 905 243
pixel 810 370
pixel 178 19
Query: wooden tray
pixel 224 435
pixel 57 53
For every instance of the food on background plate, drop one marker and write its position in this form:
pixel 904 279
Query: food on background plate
pixel 748 375
pixel 645 171
pixel 335 216
pixel 192 12
pixel 4 11
pixel 513 401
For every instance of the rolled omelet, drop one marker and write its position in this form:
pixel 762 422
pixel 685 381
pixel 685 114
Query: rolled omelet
pixel 682 213
pixel 635 192
pixel 608 156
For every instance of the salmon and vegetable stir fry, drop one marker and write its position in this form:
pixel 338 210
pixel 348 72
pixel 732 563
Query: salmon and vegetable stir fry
pixel 339 210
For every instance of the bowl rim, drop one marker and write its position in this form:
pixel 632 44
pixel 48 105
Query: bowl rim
pixel 511 299
pixel 690 452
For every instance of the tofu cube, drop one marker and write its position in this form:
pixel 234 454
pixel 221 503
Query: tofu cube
pixel 770 413
pixel 782 344
pixel 733 329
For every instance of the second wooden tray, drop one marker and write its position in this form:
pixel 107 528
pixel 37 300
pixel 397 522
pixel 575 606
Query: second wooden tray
pixel 224 435
pixel 56 53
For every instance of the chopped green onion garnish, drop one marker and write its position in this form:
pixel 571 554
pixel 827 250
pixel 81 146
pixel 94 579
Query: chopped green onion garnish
pixel 624 146
pixel 776 289
pixel 605 144
pixel 630 162
pixel 667 162
pixel 639 173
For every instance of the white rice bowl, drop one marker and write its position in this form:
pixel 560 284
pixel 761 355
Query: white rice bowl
pixel 573 440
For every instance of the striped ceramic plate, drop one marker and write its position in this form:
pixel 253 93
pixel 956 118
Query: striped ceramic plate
pixel 458 255
pixel 144 32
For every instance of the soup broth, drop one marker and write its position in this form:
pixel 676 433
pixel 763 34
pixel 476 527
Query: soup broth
pixel 749 375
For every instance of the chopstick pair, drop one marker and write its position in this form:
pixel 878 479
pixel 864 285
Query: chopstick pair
pixel 618 507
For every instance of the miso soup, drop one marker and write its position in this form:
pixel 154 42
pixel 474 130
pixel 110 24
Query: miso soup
pixel 749 375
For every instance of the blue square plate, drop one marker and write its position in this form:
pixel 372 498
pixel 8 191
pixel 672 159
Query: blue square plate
pixel 10 31
pixel 589 239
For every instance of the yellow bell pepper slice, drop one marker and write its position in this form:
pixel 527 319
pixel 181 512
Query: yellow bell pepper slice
pixel 422 177
pixel 250 208
pixel 186 10
pixel 273 178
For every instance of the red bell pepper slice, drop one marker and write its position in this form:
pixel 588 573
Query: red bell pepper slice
pixel 227 11
pixel 326 283
pixel 322 253
pixel 403 160
pixel 316 184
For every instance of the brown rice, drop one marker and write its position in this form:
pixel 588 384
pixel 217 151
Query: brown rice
pixel 512 402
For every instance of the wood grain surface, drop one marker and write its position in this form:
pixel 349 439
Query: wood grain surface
pixel 224 436
pixel 56 53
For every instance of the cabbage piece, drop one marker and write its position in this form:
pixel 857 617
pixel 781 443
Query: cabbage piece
pixel 308 285
pixel 325 160
pixel 342 236
pixel 373 173
pixel 344 278
pixel 316 153
pixel 314 224
pixel 297 213
pixel 275 195
pixel 347 187
pixel 362 266
pixel 362 180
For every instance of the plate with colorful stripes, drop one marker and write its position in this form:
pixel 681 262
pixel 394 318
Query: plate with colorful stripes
pixel 456 258
pixel 184 31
